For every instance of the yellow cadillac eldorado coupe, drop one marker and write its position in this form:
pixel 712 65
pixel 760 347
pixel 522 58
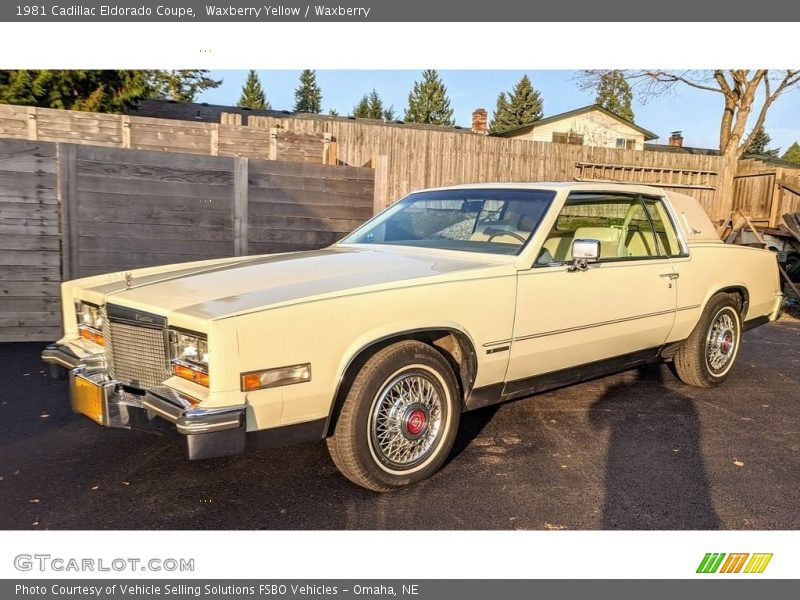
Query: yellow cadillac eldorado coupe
pixel 450 300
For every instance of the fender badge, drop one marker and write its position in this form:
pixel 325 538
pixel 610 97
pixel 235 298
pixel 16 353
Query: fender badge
pixel 128 280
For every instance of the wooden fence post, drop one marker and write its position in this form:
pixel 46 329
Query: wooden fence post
pixel 66 181
pixel 240 200
pixel 214 149
pixel 125 123
pixel 33 123
pixel 381 165
pixel 273 143
pixel 775 199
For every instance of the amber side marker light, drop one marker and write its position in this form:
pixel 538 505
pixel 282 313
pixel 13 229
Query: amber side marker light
pixel 187 372
pixel 258 380
pixel 92 336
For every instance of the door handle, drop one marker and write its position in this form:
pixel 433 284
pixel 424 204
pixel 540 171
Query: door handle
pixel 670 275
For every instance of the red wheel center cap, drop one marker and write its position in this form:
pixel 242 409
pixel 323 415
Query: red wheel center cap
pixel 727 342
pixel 416 421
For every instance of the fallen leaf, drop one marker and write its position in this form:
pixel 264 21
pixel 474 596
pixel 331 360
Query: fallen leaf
pixel 126 483
pixel 675 450
pixel 738 463
pixel 35 523
pixel 553 527
pixel 44 416
pixel 25 374
pixel 34 501
pixel 97 487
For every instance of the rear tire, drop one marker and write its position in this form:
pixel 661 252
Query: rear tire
pixel 399 419
pixel 706 357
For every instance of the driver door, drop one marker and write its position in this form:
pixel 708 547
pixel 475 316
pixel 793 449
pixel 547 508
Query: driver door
pixel 622 306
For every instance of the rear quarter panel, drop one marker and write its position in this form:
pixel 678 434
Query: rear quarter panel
pixel 715 266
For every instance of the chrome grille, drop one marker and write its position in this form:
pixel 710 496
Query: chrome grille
pixel 136 355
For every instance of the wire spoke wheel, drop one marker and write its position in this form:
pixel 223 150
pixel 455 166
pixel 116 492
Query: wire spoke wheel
pixel 721 341
pixel 406 419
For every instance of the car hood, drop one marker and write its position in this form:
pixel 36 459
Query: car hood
pixel 223 289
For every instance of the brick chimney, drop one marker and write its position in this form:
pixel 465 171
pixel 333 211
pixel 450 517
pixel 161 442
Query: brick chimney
pixel 676 139
pixel 479 121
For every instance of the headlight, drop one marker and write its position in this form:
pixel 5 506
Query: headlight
pixel 189 354
pixel 90 322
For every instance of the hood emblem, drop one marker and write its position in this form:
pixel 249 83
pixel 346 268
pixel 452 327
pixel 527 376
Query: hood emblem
pixel 128 280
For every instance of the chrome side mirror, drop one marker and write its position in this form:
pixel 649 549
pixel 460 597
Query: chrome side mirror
pixel 583 253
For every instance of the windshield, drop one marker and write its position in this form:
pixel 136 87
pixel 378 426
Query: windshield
pixel 498 221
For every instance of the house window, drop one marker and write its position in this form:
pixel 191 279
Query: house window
pixel 569 137
pixel 626 144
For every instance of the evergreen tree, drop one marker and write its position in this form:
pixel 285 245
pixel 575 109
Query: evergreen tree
pixel 428 101
pixel 253 93
pixel 614 94
pixel 371 107
pixel 758 145
pixel 181 85
pixel 793 153
pixel 521 106
pixel 333 112
pixel 111 91
pixel 90 90
pixel 308 96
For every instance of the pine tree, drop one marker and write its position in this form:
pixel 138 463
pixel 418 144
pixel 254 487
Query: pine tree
pixel 759 144
pixel 90 90
pixel 100 90
pixel 182 85
pixel 308 96
pixel 333 112
pixel 253 93
pixel 521 106
pixel 614 94
pixel 428 101
pixel 793 154
pixel 371 107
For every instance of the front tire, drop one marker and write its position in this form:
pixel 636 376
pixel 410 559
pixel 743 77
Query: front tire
pixel 399 419
pixel 708 354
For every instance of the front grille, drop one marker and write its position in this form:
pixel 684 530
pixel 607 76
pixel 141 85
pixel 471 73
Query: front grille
pixel 136 355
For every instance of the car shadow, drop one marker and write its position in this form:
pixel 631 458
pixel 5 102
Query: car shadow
pixel 655 477
pixel 471 425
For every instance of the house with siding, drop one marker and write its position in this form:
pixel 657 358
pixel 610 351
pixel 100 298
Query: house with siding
pixel 588 126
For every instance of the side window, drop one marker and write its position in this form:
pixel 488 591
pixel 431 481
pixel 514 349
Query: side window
pixel 665 230
pixel 619 222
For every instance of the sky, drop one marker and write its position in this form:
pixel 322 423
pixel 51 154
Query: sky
pixel 696 113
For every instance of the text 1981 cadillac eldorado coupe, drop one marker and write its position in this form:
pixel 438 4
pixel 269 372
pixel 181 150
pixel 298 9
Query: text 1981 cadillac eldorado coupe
pixel 450 300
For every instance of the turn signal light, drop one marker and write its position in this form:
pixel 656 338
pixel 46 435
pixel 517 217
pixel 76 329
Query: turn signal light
pixel 257 380
pixel 92 336
pixel 187 372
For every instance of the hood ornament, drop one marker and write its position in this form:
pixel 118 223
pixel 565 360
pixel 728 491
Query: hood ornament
pixel 128 280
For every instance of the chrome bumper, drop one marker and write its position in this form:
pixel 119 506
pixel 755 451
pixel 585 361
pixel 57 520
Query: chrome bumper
pixel 208 432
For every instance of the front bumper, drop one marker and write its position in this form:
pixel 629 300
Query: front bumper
pixel 207 432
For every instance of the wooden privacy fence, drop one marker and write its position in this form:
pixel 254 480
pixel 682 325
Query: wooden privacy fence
pixel 766 193
pixel 420 157
pixel 70 211
pixel 166 135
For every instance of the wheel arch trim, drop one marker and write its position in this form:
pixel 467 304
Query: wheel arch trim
pixel 465 379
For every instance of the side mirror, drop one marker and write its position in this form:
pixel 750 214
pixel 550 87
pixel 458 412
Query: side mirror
pixel 583 253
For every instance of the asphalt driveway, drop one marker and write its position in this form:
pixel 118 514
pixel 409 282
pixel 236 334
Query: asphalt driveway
pixel 637 450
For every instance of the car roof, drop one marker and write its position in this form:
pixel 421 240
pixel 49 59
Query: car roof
pixel 556 185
